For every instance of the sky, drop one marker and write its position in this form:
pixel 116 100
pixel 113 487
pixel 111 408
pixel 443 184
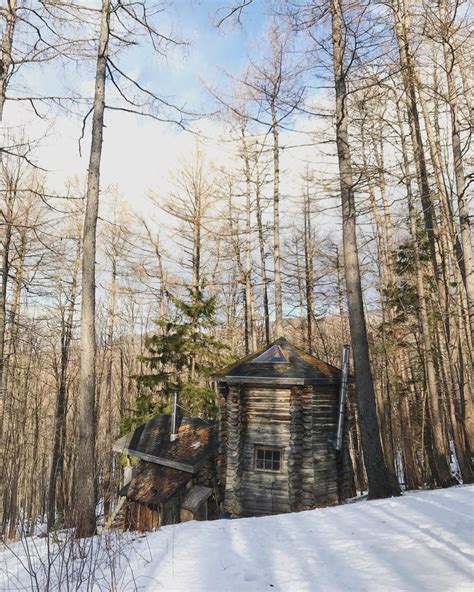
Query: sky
pixel 139 152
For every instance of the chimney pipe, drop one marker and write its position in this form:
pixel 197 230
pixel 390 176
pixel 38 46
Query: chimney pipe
pixel 342 396
pixel 174 434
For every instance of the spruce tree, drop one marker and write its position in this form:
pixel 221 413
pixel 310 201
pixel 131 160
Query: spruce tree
pixel 181 357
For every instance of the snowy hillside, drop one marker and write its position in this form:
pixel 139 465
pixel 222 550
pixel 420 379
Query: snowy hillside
pixel 421 542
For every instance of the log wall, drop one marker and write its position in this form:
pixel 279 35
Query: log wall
pixel 222 449
pixel 302 422
pixel 235 424
pixel 266 413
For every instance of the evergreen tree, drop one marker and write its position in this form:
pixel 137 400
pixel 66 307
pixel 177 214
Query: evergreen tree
pixel 181 358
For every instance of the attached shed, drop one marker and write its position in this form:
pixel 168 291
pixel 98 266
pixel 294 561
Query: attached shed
pixel 176 478
pixel 278 416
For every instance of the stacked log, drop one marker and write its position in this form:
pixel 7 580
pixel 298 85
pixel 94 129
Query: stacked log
pixel 232 503
pixel 325 401
pixel 299 421
pixel 267 423
pixel 295 460
pixel 222 448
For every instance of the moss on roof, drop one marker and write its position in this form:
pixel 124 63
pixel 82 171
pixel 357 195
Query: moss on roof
pixel 196 441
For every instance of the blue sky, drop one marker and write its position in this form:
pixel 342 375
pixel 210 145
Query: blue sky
pixel 139 153
pixel 211 50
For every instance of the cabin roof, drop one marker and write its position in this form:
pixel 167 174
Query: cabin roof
pixel 195 497
pixel 155 484
pixel 196 442
pixel 279 363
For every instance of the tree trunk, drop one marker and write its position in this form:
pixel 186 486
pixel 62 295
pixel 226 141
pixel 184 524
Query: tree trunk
pixel 380 483
pixel 263 265
pixel 309 271
pixel 440 463
pixel 249 298
pixel 400 27
pixel 235 241
pixel 276 224
pixel 57 460
pixel 467 261
pixel 85 453
pixel 6 226
pixel 383 255
pixel 7 45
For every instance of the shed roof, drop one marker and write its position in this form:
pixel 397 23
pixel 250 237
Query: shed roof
pixel 279 363
pixel 195 497
pixel 154 484
pixel 196 442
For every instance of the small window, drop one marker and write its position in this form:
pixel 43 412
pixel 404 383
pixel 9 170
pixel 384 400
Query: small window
pixel 267 459
pixel 273 355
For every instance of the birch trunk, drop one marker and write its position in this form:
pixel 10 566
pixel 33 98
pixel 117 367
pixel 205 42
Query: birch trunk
pixel 276 223
pixel 263 265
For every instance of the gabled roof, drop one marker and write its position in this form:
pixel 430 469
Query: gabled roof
pixel 196 442
pixel 266 366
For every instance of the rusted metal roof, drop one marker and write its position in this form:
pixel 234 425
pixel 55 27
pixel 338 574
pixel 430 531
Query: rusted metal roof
pixel 301 368
pixel 196 442
pixel 154 484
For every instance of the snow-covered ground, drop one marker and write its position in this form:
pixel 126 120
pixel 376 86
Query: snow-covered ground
pixel 420 542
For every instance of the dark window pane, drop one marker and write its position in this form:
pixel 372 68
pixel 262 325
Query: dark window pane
pixel 267 459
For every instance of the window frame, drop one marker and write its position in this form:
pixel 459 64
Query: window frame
pixel 266 447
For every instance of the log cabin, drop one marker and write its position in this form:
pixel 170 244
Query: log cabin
pixel 277 446
pixel 175 478
pixel 278 421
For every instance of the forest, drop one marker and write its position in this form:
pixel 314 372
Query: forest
pixel 317 188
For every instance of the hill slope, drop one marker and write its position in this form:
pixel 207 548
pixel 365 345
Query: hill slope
pixel 420 542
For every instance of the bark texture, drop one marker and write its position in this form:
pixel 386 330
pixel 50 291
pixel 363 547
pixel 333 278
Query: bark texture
pixel 85 517
pixel 380 483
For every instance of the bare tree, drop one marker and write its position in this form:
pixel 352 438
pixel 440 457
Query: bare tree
pixel 380 483
pixel 85 471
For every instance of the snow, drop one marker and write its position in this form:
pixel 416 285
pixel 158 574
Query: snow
pixel 422 541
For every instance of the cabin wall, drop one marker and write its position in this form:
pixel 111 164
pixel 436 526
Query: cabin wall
pixel 171 508
pixel 302 421
pixel 266 413
pixel 325 416
pixel 301 465
pixel 222 449
pixel 141 517
pixel 207 476
pixel 233 469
